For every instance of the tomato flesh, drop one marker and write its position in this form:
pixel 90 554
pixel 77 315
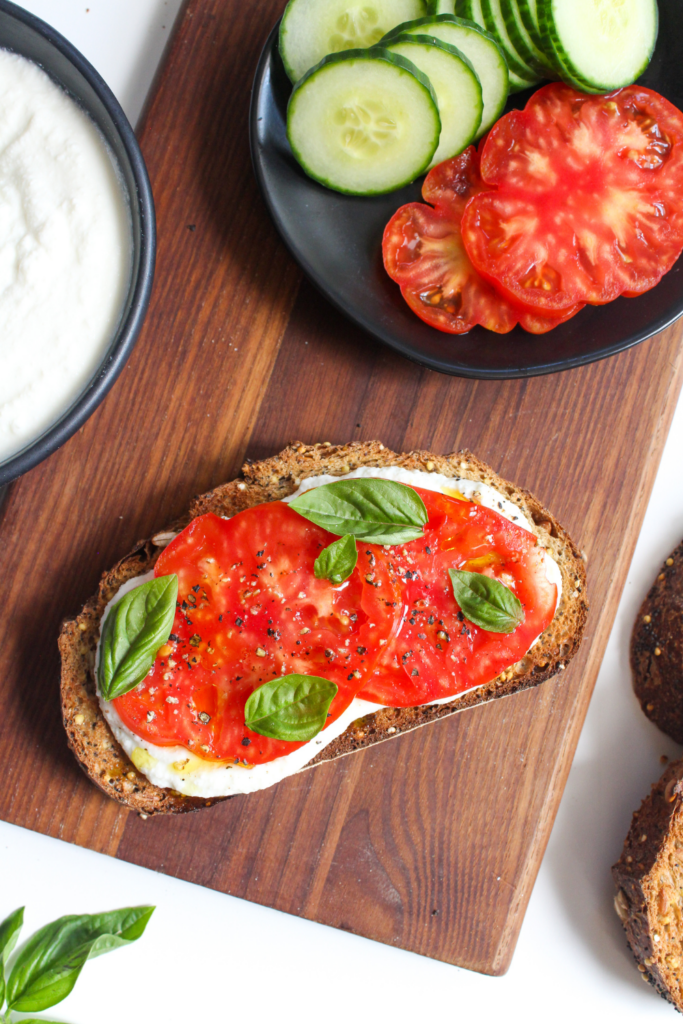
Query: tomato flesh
pixel 438 653
pixel 249 610
pixel 424 253
pixel 584 199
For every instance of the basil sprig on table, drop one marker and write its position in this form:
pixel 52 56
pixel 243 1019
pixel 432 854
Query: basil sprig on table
pixel 48 966
pixel 337 561
pixel 134 630
pixel 373 510
pixel 486 602
pixel 291 708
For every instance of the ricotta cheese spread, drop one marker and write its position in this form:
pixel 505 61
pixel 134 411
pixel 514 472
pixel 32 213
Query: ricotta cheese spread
pixel 65 252
pixel 176 768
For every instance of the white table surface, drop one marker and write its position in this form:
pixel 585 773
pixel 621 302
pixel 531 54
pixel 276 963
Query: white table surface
pixel 209 957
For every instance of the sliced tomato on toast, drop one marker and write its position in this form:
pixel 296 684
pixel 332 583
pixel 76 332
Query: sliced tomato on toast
pixel 250 609
pixel 437 652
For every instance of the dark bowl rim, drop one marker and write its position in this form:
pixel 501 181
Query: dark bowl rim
pixel 130 326
pixel 449 367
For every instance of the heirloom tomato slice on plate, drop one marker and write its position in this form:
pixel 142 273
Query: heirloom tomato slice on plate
pixel 437 652
pixel 424 253
pixel 585 199
pixel 250 609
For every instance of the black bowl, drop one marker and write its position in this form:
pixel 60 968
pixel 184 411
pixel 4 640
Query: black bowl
pixel 336 239
pixel 22 33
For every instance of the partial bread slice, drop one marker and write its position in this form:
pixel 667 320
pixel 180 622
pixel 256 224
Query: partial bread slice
pixel 649 879
pixel 89 736
pixel 657 649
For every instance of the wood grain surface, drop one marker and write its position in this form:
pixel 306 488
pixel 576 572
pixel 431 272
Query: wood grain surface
pixel 431 842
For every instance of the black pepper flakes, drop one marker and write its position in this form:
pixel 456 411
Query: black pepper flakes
pixel 195 640
pixel 246 742
pixel 239 622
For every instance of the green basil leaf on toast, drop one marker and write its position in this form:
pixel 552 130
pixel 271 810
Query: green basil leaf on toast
pixel 486 602
pixel 337 561
pixel 136 627
pixel 373 510
pixel 291 708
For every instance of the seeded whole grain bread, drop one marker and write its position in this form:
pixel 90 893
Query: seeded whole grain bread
pixel 649 880
pixel 657 649
pixel 91 739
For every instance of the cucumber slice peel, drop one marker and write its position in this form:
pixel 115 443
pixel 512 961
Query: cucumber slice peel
pixel 494 22
pixel 523 43
pixel 363 122
pixel 456 86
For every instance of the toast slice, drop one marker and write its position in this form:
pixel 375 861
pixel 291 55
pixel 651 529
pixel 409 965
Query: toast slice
pixel 89 735
pixel 649 879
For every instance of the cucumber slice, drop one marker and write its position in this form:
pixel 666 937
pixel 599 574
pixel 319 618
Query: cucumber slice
pixel 363 122
pixel 524 45
pixel 495 24
pixel 441 6
pixel 481 50
pixel 310 29
pixel 456 86
pixel 602 46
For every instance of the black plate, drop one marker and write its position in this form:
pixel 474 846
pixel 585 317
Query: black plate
pixel 336 239
pixel 27 35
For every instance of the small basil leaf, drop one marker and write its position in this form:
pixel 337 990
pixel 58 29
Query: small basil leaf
pixel 136 627
pixel 337 561
pixel 291 708
pixel 39 1020
pixel 9 933
pixel 377 511
pixel 48 966
pixel 486 602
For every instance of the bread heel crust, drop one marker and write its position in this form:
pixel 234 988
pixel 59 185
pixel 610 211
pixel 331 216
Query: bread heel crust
pixel 89 736
pixel 649 880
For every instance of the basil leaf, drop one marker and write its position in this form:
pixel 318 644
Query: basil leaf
pixel 39 1020
pixel 378 511
pixel 48 966
pixel 291 708
pixel 136 627
pixel 9 933
pixel 486 602
pixel 337 561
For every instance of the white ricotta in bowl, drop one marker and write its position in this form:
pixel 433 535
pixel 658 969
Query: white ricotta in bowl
pixel 65 252
pixel 176 768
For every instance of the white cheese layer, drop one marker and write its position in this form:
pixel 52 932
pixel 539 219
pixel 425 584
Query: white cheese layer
pixel 176 768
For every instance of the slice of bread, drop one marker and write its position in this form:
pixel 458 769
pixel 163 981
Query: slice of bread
pixel 91 739
pixel 657 649
pixel 649 879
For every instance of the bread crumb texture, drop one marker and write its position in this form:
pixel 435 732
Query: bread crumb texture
pixel 91 739
pixel 649 880
pixel 657 649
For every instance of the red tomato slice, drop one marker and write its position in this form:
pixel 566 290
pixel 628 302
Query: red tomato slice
pixel 437 652
pixel 587 202
pixel 424 253
pixel 250 609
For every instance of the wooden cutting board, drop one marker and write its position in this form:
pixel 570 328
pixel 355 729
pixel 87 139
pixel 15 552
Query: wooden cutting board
pixel 431 842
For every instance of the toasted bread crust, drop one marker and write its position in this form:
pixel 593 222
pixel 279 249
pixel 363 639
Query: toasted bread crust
pixel 657 649
pixel 649 880
pixel 89 736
